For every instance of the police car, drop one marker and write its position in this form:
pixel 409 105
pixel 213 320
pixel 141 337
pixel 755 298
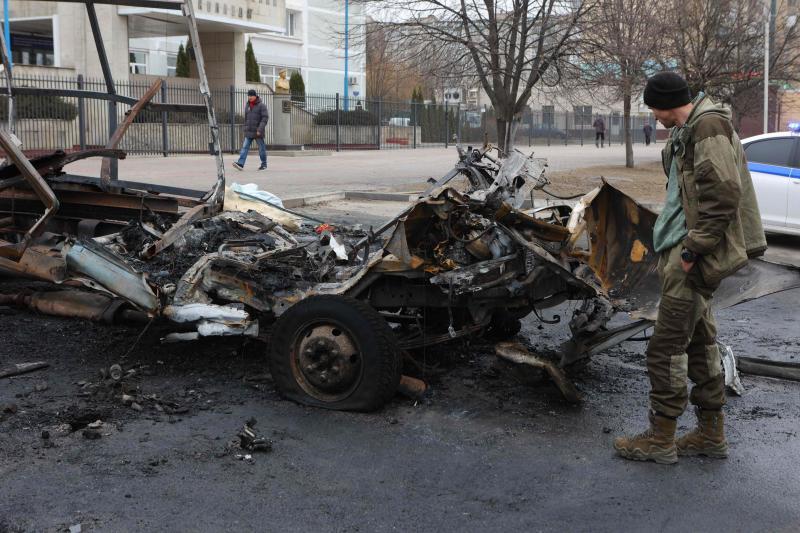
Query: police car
pixel 774 163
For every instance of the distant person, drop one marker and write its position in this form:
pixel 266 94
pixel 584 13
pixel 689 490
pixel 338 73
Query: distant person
pixel 256 117
pixel 599 131
pixel 648 132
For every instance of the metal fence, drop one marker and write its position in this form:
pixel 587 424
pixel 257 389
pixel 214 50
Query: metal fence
pixel 317 122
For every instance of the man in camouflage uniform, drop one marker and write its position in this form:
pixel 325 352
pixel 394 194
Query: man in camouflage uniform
pixel 708 229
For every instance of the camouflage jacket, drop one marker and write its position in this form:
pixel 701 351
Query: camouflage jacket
pixel 719 201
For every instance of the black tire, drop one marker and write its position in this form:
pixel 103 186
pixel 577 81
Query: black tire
pixel 335 352
pixel 503 326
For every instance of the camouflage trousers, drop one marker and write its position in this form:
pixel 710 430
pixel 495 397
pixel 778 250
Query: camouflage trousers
pixel 684 343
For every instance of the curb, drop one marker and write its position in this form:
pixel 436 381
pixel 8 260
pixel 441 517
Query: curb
pixel 292 203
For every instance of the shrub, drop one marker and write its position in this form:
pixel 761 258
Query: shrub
pixel 297 87
pixel 182 63
pixel 356 117
pixel 251 70
pixel 34 106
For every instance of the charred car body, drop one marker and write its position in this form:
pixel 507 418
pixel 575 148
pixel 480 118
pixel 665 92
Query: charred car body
pixel 340 305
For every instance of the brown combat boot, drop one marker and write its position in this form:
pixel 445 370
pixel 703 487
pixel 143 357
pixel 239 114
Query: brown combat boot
pixel 708 438
pixel 657 443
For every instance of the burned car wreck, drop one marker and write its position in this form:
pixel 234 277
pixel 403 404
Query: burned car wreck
pixel 338 306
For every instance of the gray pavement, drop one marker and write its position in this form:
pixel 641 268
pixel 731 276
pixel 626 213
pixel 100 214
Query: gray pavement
pixel 291 177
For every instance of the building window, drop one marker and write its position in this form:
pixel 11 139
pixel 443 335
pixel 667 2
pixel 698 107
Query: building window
pixel 172 63
pixel 138 61
pixel 32 42
pixel 225 9
pixel 216 8
pixel 249 14
pixel 290 24
pixel 548 116
pixel 274 3
pixel 240 12
pixel 583 115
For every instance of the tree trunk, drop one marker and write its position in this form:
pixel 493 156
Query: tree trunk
pixel 506 132
pixel 626 124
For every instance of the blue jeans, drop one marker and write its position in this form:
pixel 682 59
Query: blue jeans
pixel 262 150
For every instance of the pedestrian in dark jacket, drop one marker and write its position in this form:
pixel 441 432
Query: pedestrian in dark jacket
pixel 648 132
pixel 256 117
pixel 599 131
pixel 710 225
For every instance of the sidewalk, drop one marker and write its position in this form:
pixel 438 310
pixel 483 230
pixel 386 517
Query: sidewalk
pixel 291 177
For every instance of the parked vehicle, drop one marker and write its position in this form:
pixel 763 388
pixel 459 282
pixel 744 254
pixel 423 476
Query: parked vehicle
pixel 774 163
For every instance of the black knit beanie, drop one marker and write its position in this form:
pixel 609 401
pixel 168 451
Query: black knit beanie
pixel 666 90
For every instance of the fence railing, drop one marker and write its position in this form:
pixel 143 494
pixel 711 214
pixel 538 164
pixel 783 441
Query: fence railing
pixel 317 122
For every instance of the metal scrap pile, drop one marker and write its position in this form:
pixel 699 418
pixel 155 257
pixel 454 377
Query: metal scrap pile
pixel 464 258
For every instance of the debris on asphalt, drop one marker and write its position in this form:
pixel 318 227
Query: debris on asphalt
pixel 769 368
pixel 91 434
pixel 412 387
pixel 517 353
pixel 76 528
pixel 21 368
pixel 8 408
pixel 79 419
pixel 732 381
pixel 249 440
pixel 115 372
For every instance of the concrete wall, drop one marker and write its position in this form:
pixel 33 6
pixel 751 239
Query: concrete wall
pixel 363 135
pixel 224 58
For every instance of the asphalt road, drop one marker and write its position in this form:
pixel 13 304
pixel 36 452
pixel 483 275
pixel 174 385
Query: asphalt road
pixel 487 450
pixel 291 177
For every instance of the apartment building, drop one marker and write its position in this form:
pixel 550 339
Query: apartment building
pixel 54 39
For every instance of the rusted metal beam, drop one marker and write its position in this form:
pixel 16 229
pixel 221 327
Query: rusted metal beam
pixel 51 164
pixel 177 230
pixel 113 142
pixel 43 193
pixel 217 193
pixel 154 188
pixel 4 54
pixel 89 204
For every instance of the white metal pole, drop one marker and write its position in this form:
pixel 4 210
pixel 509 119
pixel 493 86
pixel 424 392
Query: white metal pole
pixel 766 66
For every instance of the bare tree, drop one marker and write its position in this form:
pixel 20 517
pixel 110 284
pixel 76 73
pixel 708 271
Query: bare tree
pixel 620 43
pixel 719 46
pixel 510 45
pixel 389 76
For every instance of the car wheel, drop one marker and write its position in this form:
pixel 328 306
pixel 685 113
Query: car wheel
pixel 335 352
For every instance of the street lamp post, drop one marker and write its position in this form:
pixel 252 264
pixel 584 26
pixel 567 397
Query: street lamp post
pixel 766 67
pixel 769 31
pixel 7 31
pixel 346 53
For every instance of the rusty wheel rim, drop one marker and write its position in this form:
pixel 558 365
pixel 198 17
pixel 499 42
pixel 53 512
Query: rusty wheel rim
pixel 326 361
